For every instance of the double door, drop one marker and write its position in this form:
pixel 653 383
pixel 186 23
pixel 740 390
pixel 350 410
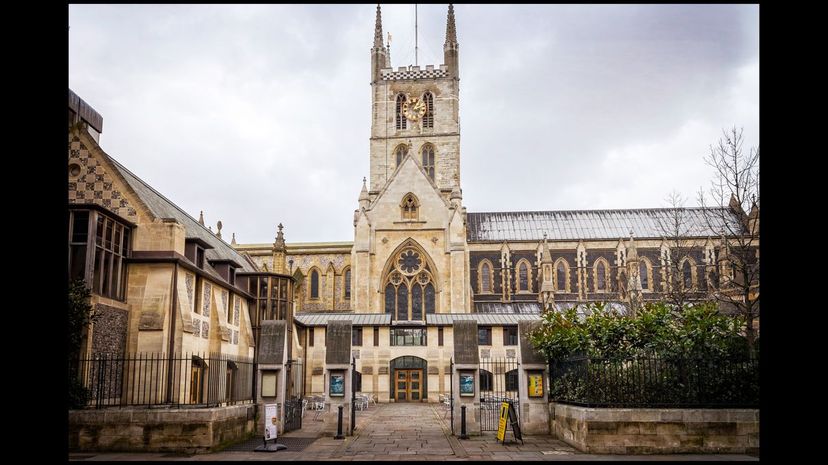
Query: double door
pixel 408 385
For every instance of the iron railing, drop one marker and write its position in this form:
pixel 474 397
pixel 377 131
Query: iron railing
pixel 499 382
pixel 157 379
pixel 655 382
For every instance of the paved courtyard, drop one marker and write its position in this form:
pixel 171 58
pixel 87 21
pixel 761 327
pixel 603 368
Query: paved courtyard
pixel 400 432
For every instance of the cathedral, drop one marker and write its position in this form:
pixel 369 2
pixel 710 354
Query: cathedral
pixel 419 265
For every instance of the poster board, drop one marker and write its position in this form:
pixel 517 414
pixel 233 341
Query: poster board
pixel 513 420
pixel 503 419
pixel 467 384
pixel 337 384
pixel 535 383
pixel 271 421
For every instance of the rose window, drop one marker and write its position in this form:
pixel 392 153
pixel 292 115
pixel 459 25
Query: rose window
pixel 409 261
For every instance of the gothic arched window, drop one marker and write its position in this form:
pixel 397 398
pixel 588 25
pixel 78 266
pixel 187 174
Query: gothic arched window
pixel 524 277
pixel 644 274
pixel 400 117
pixel 428 160
pixel 428 118
pixel 346 284
pixel 400 152
pixel 314 284
pixel 600 276
pixel 561 272
pixel 485 277
pixel 409 207
pixel 409 286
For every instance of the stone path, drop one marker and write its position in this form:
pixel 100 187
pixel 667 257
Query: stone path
pixel 405 432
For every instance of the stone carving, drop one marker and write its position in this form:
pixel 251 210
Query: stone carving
pixel 188 281
pixel 94 185
pixel 205 329
pixel 205 299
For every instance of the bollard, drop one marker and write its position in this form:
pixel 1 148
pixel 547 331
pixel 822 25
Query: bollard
pixel 463 434
pixel 339 434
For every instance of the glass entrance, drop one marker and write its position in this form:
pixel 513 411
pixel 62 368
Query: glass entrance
pixel 408 385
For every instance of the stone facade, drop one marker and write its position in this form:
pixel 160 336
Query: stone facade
pixel 656 431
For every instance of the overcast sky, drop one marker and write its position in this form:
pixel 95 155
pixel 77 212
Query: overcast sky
pixel 260 114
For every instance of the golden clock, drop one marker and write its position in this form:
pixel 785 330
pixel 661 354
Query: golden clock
pixel 414 108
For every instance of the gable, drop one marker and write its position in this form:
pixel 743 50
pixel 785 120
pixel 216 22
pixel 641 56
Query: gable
pixel 433 210
pixel 95 183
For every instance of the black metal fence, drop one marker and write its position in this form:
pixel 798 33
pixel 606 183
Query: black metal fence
pixel 656 382
pixel 156 379
pixel 499 382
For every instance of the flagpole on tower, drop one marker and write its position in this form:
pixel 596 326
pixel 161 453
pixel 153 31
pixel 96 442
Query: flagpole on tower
pixel 415 35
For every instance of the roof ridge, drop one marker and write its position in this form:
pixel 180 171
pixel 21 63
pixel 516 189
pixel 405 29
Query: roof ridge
pixel 598 210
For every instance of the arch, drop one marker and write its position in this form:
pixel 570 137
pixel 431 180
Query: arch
pixel 427 153
pixel 400 152
pixel 523 276
pixel 401 122
pixel 561 275
pixel 314 283
pixel 408 362
pixel 409 283
pixel 485 277
pixel 428 118
pixel 687 271
pixel 410 207
pixel 600 275
pixel 645 273
pixel 346 283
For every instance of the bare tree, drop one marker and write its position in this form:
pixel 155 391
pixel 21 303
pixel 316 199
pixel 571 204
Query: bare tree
pixel 675 228
pixel 733 191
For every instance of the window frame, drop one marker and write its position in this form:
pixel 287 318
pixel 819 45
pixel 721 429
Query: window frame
pixel 487 340
pixel 507 335
pixel 356 336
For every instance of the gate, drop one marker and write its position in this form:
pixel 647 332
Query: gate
pixel 499 382
pixel 293 414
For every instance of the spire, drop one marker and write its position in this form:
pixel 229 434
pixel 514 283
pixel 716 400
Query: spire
pixel 451 29
pixel 378 29
pixel 364 199
pixel 280 238
pixel 632 252
pixel 547 256
pixel 201 217
pixel 233 242
pixel 218 228
pixel 451 57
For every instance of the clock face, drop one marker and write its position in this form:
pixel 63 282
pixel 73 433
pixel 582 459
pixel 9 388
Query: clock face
pixel 414 108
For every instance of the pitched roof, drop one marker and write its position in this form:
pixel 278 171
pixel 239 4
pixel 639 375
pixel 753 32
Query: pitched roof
pixel 593 224
pixel 527 308
pixel 445 319
pixel 163 207
pixel 357 319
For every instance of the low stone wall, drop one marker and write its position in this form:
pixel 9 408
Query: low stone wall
pixel 153 430
pixel 656 431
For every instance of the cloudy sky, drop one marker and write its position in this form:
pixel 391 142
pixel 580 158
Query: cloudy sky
pixel 260 114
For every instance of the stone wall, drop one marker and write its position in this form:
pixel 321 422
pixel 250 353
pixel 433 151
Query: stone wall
pixel 146 430
pixel 656 431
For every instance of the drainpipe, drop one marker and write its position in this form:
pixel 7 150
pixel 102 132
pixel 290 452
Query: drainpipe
pixel 171 347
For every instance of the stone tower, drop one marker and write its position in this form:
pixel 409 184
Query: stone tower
pixel 410 228
pixel 433 137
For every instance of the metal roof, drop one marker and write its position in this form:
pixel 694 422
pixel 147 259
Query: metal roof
pixel 163 207
pixel 357 319
pixel 445 319
pixel 528 308
pixel 595 224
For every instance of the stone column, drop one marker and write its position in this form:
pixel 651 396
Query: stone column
pixel 466 361
pixel 338 362
pixel 534 411
pixel 272 350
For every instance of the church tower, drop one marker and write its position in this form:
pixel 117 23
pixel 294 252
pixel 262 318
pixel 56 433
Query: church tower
pixel 410 256
pixel 415 110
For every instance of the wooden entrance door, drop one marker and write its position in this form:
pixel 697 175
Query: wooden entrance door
pixel 408 385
